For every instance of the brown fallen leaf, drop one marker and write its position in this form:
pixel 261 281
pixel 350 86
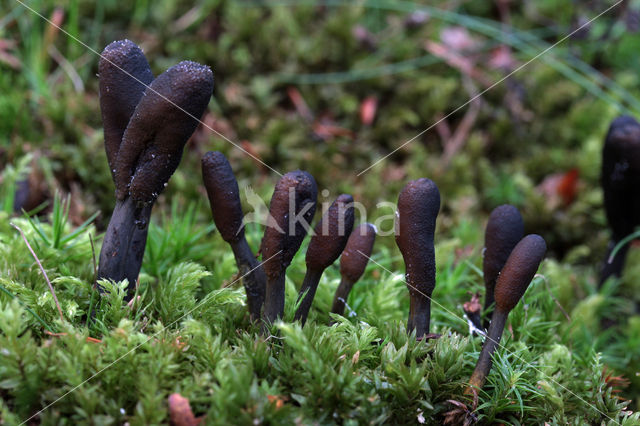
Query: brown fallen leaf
pixel 180 412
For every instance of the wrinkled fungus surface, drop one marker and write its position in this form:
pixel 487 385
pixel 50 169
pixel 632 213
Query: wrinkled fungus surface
pixel 224 195
pixel 124 74
pixel 505 229
pixel 163 121
pixel 295 193
pixel 519 271
pixel 418 206
pixel 356 253
pixel 331 233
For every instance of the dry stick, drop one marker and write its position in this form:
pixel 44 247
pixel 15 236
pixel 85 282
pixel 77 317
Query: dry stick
pixel 504 230
pixel 224 199
pixel 292 207
pixel 53 292
pixel 148 154
pixel 329 239
pixel 418 206
pixel 353 261
pixel 620 181
pixel 512 282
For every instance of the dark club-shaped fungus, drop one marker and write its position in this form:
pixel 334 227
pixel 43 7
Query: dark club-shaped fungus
pixel 224 199
pixel 353 261
pixel 515 277
pixel 505 229
pixel 292 207
pixel 418 206
pixel 621 186
pixel 329 239
pixel 165 116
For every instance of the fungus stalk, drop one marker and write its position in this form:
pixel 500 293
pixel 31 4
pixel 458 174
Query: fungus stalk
pixel 145 130
pixel 515 277
pixel 224 199
pixel 504 230
pixel 292 207
pixel 353 261
pixel 329 239
pixel 418 206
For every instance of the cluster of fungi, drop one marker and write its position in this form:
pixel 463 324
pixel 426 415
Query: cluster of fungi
pixel 147 122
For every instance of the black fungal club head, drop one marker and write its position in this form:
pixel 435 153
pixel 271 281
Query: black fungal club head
pixel 292 207
pixel 356 254
pixel 146 124
pixel 224 199
pixel 124 74
pixel 331 233
pixel 518 271
pixel 505 229
pixel 330 237
pixel 621 185
pixel 513 281
pixel 163 121
pixel 418 206
pixel 224 196
pixel 621 176
pixel 353 262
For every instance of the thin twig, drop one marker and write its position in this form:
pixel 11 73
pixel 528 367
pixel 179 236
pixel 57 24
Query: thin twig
pixel 53 293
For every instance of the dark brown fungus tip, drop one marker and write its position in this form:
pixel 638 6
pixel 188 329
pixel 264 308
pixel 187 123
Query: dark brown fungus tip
pixel 621 176
pixel 521 266
pixel 356 253
pixel 163 121
pixel 331 233
pixel 291 210
pixel 224 195
pixel 124 74
pixel 505 229
pixel 418 206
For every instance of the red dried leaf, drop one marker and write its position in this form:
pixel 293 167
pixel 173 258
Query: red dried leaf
pixel 568 185
pixel 368 109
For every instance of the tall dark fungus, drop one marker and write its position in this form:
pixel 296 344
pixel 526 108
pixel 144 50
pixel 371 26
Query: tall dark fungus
pixel 353 261
pixel 329 239
pixel 513 281
pixel 418 207
pixel 292 207
pixel 505 229
pixel 166 114
pixel 224 199
pixel 621 185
